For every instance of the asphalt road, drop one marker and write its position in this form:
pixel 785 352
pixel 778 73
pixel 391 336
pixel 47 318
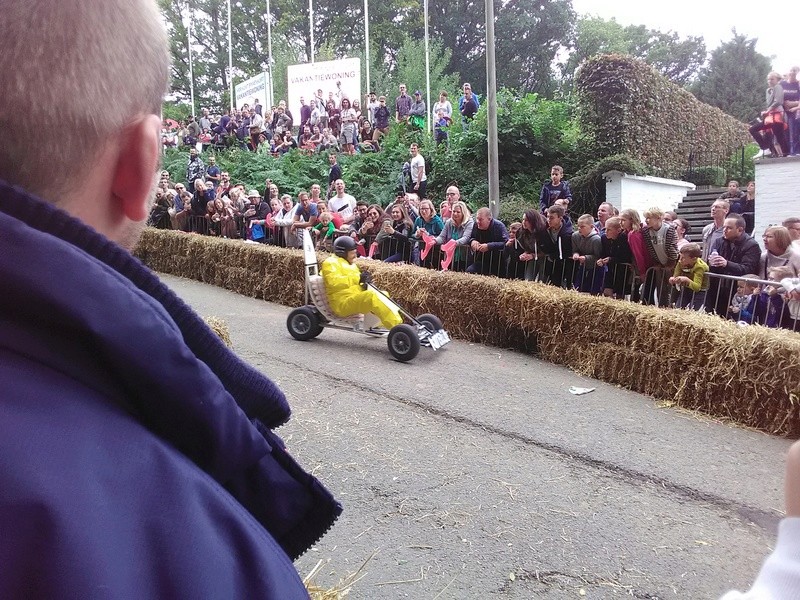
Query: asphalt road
pixel 474 473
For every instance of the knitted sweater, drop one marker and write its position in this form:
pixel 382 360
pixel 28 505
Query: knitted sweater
pixel 153 452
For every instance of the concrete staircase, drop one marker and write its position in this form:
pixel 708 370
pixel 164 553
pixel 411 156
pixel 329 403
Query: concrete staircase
pixel 696 209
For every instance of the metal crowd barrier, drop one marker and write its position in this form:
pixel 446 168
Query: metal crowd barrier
pixel 717 295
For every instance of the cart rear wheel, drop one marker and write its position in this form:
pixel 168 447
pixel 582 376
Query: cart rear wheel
pixel 431 322
pixel 303 323
pixel 403 342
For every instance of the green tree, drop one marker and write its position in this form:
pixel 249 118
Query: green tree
pixel 527 38
pixel 410 69
pixel 175 13
pixel 679 60
pixel 735 78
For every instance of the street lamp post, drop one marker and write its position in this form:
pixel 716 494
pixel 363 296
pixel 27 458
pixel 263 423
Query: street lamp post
pixel 230 54
pixel 491 93
pixel 269 54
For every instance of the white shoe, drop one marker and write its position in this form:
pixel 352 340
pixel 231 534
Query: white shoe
pixel 758 154
pixel 767 153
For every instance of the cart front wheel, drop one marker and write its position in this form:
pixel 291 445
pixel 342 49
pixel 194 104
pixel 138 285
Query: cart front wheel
pixel 431 322
pixel 403 342
pixel 303 323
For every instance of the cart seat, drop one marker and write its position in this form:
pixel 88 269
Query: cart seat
pixel 319 296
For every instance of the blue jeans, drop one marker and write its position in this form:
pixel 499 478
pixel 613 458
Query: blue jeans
pixel 794 132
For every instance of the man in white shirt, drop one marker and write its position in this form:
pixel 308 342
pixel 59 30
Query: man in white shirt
pixel 256 120
pixel 419 179
pixel 342 204
pixel 371 104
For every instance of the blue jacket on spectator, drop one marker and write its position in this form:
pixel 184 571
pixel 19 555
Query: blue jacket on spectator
pixel 550 193
pixel 136 455
pixel 763 309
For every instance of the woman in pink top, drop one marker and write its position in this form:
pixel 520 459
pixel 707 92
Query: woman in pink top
pixel 632 225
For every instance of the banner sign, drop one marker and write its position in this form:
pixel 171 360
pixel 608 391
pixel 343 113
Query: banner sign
pixel 255 87
pixel 335 79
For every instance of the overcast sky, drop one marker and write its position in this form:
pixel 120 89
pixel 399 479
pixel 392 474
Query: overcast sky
pixel 712 19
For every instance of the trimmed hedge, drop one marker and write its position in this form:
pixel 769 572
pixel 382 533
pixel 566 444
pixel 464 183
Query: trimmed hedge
pixel 750 375
pixel 711 176
pixel 626 107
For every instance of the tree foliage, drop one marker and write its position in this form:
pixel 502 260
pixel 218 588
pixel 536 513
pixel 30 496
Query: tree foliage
pixel 679 60
pixel 735 78
pixel 527 37
pixel 410 69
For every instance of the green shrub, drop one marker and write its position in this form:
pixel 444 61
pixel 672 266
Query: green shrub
pixel 589 187
pixel 513 206
pixel 711 176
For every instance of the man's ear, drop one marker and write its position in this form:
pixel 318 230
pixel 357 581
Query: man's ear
pixel 136 166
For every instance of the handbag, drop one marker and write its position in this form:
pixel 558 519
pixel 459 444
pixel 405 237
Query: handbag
pixel 257 232
pixel 774 118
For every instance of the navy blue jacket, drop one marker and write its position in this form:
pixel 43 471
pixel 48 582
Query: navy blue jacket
pixel 550 193
pixel 136 456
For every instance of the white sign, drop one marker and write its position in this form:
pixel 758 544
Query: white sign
pixel 341 78
pixel 254 88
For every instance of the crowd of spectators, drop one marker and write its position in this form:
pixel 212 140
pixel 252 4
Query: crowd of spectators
pixel 644 258
pixel 334 123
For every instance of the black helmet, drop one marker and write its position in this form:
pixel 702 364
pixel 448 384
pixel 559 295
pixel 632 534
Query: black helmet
pixel 343 244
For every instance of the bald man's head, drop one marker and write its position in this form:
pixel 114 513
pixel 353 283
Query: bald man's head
pixel 96 66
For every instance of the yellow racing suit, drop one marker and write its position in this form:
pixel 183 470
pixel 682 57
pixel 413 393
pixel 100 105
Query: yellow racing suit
pixel 346 296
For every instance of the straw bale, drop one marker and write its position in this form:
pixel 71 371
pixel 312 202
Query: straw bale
pixel 747 374
pixel 219 327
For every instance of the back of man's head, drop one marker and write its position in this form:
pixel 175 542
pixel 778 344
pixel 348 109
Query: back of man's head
pixel 94 67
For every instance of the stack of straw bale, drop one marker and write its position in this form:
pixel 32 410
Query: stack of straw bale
pixel 750 375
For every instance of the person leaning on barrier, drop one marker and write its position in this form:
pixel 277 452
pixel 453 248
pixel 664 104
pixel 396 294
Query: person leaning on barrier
pixel 288 235
pixel 395 236
pixel 689 277
pixel 556 245
pixel 459 228
pixel 778 252
pixel 736 254
pixel 488 240
pixel 305 215
pixel 617 258
pixel 587 246
pixel 346 286
pixel 138 458
pixel 661 242
pixel 534 226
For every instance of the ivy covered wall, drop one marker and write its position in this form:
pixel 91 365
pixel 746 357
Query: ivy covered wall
pixel 626 107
